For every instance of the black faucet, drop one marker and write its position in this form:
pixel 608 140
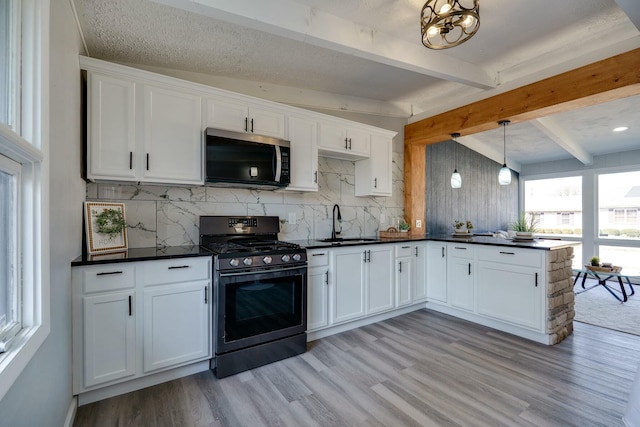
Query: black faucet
pixel 333 223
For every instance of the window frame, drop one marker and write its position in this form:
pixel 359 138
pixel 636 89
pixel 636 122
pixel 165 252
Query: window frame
pixel 25 140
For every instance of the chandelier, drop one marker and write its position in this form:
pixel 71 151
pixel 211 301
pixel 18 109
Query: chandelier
pixel 448 23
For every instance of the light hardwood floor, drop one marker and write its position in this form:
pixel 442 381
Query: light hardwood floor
pixel 420 369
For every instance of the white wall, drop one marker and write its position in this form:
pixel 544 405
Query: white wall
pixel 41 396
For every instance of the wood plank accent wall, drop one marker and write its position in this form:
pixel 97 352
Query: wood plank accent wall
pixel 612 78
pixel 489 205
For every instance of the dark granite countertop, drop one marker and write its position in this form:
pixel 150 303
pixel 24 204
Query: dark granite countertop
pixel 140 254
pixel 474 239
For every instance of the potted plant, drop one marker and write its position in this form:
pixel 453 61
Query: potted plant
pixel 458 227
pixel 595 261
pixel 469 226
pixel 403 226
pixel 525 225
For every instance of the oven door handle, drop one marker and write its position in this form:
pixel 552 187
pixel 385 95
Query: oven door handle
pixel 272 270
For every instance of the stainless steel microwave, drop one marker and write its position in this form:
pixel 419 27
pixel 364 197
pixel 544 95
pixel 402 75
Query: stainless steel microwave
pixel 237 159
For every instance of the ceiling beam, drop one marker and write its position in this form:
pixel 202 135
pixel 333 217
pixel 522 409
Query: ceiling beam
pixel 550 127
pixel 296 21
pixel 612 78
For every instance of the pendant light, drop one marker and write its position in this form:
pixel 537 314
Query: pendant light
pixel 504 176
pixel 456 179
pixel 448 23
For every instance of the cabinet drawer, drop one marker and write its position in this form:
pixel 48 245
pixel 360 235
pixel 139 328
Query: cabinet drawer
pixel 404 250
pixel 176 270
pixel 108 277
pixel 514 256
pixel 462 250
pixel 317 258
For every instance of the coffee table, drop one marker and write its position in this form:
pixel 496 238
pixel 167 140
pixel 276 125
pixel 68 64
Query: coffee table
pixel 602 278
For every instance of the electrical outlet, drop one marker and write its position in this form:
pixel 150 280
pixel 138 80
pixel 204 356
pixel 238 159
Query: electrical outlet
pixel 292 218
pixel 418 223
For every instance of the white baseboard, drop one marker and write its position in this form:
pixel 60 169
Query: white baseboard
pixel 71 413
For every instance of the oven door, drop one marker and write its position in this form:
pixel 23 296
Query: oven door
pixel 257 307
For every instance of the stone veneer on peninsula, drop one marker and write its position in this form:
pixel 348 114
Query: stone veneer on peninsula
pixel 560 295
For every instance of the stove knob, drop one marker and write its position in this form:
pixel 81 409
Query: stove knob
pixel 247 261
pixel 286 258
pixel 234 262
pixel 296 257
pixel 267 259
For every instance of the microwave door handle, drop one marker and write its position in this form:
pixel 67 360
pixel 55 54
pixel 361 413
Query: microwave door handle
pixel 278 163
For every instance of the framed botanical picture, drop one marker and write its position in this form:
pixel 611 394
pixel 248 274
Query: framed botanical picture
pixel 106 227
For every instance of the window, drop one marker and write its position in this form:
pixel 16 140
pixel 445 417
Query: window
pixel 24 275
pixel 556 203
pixel 618 204
pixel 10 317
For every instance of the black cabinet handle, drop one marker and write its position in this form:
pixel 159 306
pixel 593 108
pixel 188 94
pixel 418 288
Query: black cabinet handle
pixel 206 295
pixel 375 182
pixel 399 266
pixel 458 247
pixel 130 311
pixel 246 124
pixel 406 247
pixel 251 125
pixel 443 252
pixel 536 280
pixel 315 177
pixel 320 254
pixel 173 267
pixel 147 161
pixel 130 160
pixel 365 256
pixel 326 278
pixel 106 273
pixel 349 143
pixel 369 256
pixel 507 253
pixel 469 269
pixel 346 144
pixel 416 251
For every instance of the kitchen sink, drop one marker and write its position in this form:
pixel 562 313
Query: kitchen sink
pixel 349 240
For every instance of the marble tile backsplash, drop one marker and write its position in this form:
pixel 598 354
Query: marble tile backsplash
pixel 168 216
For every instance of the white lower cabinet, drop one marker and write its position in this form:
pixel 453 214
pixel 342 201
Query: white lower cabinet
pixel 348 284
pixel 404 279
pixel 379 278
pixel 510 293
pixel 461 276
pixel 317 290
pixel 109 337
pixel 131 319
pixel 176 324
pixel 419 286
pixel 437 271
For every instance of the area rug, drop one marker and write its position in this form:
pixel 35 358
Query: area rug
pixel 598 307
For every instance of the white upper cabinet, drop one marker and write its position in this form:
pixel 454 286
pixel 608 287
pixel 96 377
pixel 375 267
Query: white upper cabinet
pixel 235 115
pixel 172 136
pixel 303 134
pixel 142 132
pixel 341 141
pixel 112 127
pixel 373 175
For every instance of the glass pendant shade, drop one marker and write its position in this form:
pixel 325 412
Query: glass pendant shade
pixel 456 179
pixel 504 176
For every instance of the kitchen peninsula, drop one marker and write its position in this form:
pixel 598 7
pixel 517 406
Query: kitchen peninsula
pixel 523 288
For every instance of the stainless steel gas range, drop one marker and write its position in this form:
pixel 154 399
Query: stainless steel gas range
pixel 260 292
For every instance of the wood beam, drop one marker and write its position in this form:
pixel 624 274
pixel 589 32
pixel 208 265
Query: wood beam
pixel 612 78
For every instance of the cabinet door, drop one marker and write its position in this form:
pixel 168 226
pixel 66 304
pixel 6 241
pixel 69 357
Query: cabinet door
pixel 460 283
pixel 176 324
pixel 348 285
pixel 437 272
pixel 419 285
pixel 404 277
pixel 111 148
pixel 226 114
pixel 317 298
pixel 359 140
pixel 172 137
pixel 333 136
pixel 303 134
pixel 373 175
pixel 380 278
pixel 109 337
pixel 512 294
pixel 267 122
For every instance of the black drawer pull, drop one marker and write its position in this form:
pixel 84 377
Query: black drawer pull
pixel 130 160
pixel 173 267
pixel 406 247
pixel 206 295
pixel 536 280
pixel 322 254
pixel 507 253
pixel 458 247
pixel 106 273
pixel 130 305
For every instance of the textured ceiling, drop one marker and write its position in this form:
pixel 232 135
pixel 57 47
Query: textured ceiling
pixel 371 50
